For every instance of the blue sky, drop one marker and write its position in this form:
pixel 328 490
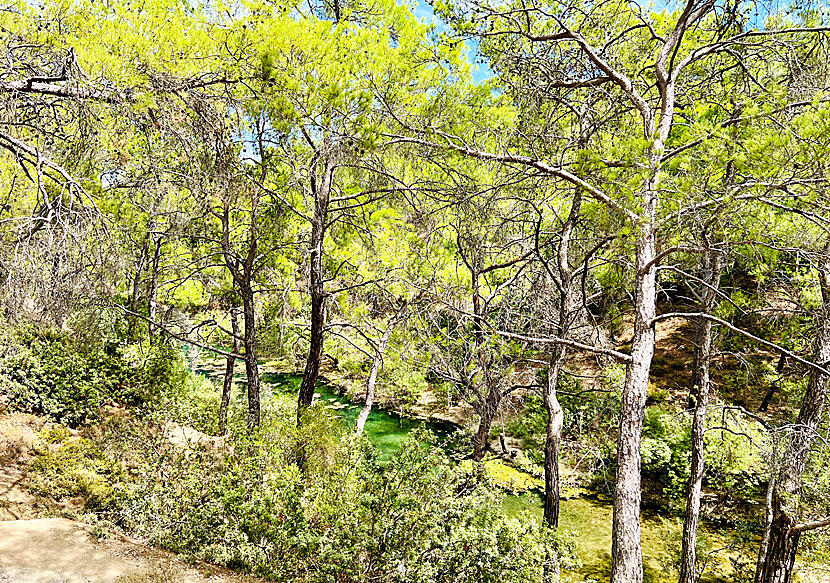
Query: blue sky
pixel 481 72
pixel 424 12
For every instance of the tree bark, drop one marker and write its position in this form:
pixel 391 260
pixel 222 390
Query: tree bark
pixel 776 563
pixel 553 437
pixel 243 275
pixel 626 550
pixel 373 376
pixel 311 373
pixel 487 412
pixel 251 365
pixel 700 393
pixel 229 369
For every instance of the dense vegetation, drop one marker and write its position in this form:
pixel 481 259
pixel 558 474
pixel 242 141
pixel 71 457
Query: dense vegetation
pixel 601 251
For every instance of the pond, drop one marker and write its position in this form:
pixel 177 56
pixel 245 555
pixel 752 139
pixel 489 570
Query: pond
pixel 588 518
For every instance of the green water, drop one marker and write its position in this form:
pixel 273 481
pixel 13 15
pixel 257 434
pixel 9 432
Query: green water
pixel 386 430
pixel 589 519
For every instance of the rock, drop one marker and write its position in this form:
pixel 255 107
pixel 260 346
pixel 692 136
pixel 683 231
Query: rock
pixel 188 437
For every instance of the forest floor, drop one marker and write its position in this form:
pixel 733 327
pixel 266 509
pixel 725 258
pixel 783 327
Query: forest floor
pixel 38 546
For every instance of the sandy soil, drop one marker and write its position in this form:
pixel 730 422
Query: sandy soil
pixel 34 549
pixel 57 550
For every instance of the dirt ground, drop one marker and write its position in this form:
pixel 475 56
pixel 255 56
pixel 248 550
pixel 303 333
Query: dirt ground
pixel 37 548
pixel 57 550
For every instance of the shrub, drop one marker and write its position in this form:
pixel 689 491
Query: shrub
pixel 45 373
pixel 72 468
pixel 665 450
pixel 346 516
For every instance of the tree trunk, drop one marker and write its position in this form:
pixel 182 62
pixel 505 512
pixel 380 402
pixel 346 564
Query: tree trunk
pixel 243 272
pixel 776 564
pixel 713 266
pixel 762 551
pixel 553 436
pixel 229 369
pixel 553 430
pixel 251 366
pixel 626 551
pixel 373 376
pixel 152 287
pixel 316 289
pixel 139 270
pixel 487 412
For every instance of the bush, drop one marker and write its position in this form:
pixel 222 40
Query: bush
pixel 665 450
pixel 69 468
pixel 346 516
pixel 47 374
pixel 195 402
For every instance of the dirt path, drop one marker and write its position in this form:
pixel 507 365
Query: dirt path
pixel 57 550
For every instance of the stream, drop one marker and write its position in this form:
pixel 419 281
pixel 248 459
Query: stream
pixel 587 517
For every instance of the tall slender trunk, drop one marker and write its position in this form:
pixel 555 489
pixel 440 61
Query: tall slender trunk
pixel 318 296
pixel 373 376
pixel 626 550
pixel 136 293
pixel 229 369
pixel 778 558
pixel 251 365
pixel 762 550
pixel 553 437
pixel 553 430
pixel 487 406
pixel 700 392
pixel 152 287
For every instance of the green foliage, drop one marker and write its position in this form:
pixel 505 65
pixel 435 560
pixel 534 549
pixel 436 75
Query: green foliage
pixel 406 384
pixel 67 468
pixel 665 450
pixel 193 402
pixel 734 458
pixel 412 518
pixel 47 373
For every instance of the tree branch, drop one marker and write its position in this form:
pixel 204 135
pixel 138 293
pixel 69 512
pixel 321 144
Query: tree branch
pixel 805 526
pixel 737 330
